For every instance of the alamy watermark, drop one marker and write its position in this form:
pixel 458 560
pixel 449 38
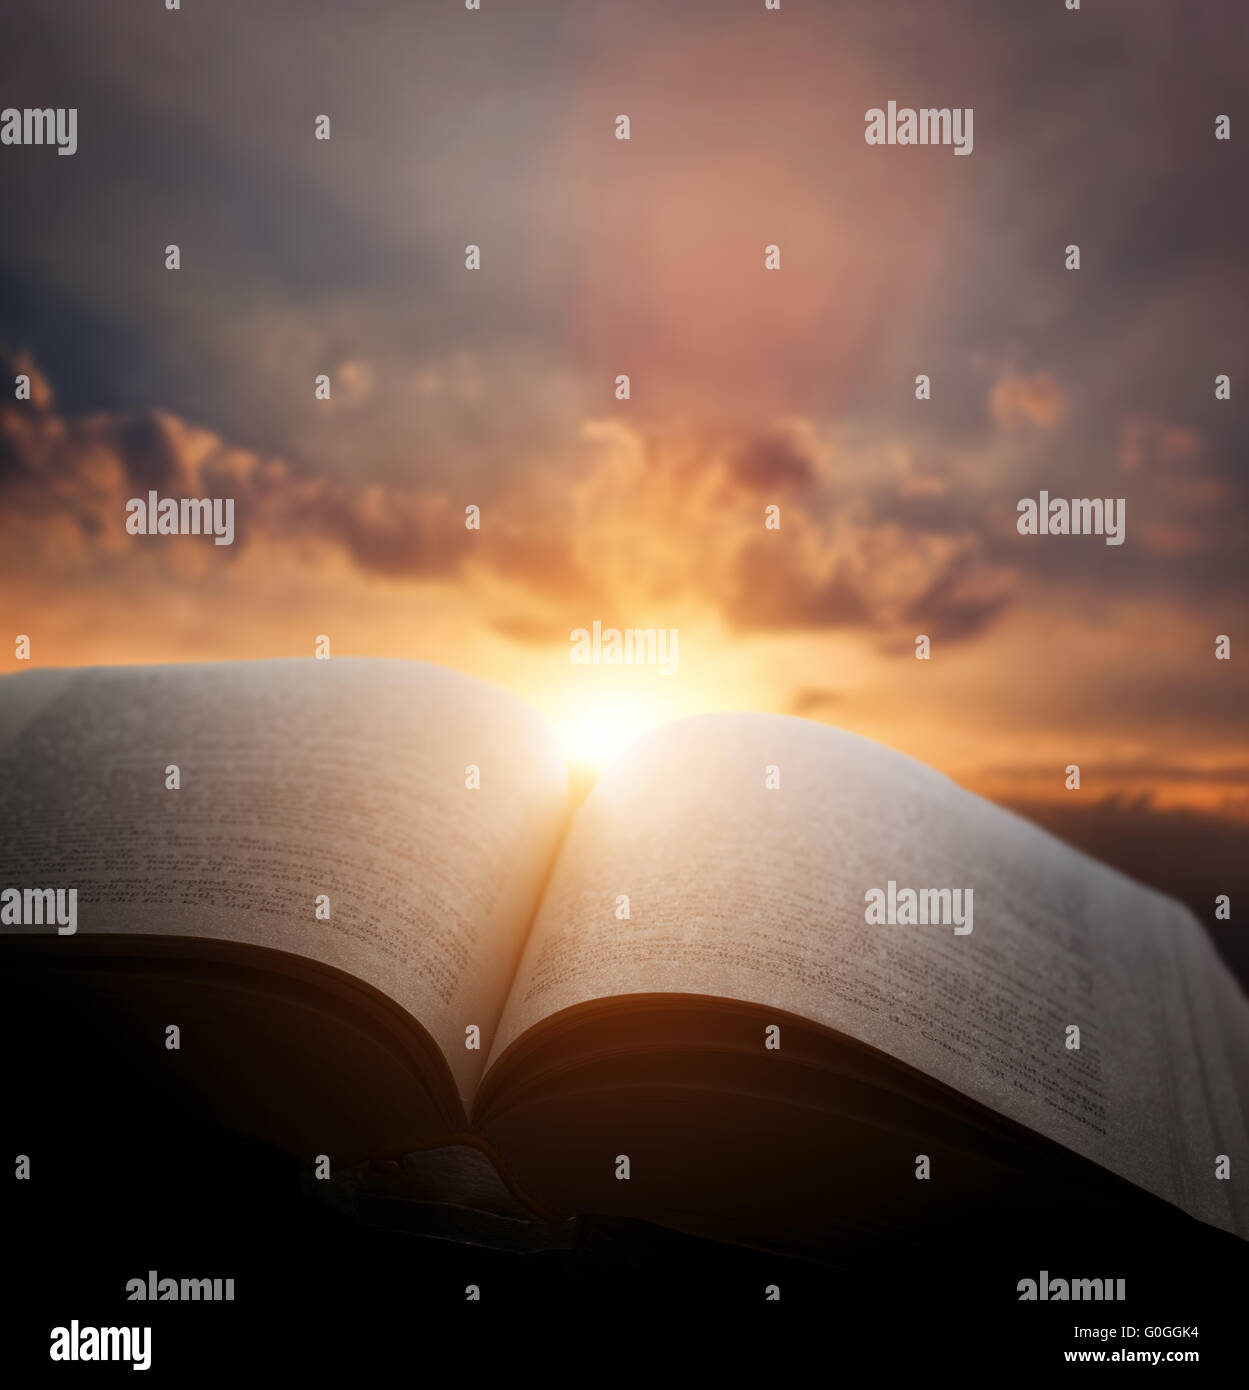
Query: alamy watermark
pixel 40 125
pixel 930 125
pixel 154 1289
pixel 1045 1289
pixel 182 516
pixel 40 907
pixel 1081 516
pixel 902 907
pixel 75 1343
pixel 632 646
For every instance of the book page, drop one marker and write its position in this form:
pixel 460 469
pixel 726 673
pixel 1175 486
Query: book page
pixel 343 779
pixel 756 894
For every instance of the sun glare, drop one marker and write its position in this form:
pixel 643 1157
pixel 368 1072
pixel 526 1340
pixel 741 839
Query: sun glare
pixel 595 736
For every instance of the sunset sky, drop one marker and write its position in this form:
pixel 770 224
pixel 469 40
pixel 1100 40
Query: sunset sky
pixel 749 387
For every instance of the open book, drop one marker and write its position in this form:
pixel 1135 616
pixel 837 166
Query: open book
pixel 366 954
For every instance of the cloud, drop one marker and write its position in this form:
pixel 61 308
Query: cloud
pixel 655 522
pixel 65 484
pixel 633 525
pixel 811 701
pixel 1035 400
pixel 1146 441
pixel 772 463
pixel 1146 770
pixel 1186 853
pixel 748 387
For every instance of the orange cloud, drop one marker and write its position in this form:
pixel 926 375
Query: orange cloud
pixel 1035 400
pixel 634 524
pixel 1144 439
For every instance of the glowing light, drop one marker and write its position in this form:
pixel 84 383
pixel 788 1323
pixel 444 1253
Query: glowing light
pixel 595 736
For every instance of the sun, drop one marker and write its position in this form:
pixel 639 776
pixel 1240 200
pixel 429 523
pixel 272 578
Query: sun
pixel 600 723
pixel 596 727
pixel 595 736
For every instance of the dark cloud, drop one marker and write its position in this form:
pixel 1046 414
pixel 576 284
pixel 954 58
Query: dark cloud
pixel 769 587
pixel 1189 854
pixel 529 631
pixel 144 446
pixel 574 541
pixel 771 463
pixel 960 601
pixel 812 700
pixel 1154 769
pixel 347 257
pixel 82 471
